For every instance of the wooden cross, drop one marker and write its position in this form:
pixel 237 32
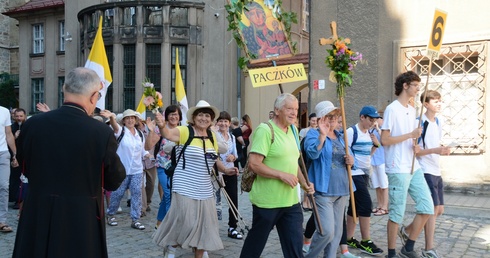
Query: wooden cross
pixel 334 37
pixel 330 41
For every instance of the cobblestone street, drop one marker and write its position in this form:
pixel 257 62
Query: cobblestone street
pixel 464 231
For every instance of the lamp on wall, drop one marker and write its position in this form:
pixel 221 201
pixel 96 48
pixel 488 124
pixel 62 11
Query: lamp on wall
pixel 68 37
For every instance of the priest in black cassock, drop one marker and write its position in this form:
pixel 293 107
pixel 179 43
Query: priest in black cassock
pixel 68 157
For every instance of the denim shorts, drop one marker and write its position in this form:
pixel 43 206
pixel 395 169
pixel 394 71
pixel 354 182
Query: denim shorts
pixel 402 184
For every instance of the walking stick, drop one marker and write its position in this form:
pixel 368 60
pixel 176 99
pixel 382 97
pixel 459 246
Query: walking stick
pixel 349 172
pixel 302 167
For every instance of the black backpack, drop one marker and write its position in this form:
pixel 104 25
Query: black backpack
pixel 173 155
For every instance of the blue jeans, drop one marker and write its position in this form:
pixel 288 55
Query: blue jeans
pixel 165 203
pixel 289 224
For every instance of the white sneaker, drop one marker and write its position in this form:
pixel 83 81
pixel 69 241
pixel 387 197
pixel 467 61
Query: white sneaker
pixel 119 210
pixel 306 248
pixel 349 255
pixel 205 254
pixel 169 252
pixel 432 253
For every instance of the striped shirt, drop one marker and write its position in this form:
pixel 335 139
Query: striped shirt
pixel 194 181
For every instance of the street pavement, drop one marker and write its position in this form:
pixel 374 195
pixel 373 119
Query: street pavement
pixel 463 231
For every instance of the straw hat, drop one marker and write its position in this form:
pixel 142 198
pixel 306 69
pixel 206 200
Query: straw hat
pixel 200 105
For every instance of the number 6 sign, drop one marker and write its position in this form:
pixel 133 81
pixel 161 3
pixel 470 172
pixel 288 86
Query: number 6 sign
pixel 435 40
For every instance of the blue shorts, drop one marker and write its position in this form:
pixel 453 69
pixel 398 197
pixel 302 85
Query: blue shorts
pixel 402 184
pixel 436 188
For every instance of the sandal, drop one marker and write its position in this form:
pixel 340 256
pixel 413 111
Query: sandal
pixel 4 228
pixel 137 225
pixel 375 210
pixel 233 233
pixel 381 212
pixel 111 221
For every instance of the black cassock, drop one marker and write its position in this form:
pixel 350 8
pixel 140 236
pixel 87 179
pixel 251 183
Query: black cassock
pixel 68 157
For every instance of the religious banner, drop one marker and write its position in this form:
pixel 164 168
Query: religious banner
pixel 277 74
pixel 262 32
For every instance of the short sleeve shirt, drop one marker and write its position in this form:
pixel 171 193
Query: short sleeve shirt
pixel 282 155
pixel 399 120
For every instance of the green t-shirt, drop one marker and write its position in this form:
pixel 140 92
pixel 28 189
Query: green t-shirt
pixel 282 155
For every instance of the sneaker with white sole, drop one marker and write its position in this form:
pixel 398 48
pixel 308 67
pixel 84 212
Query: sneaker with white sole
pixel 349 255
pixel 169 252
pixel 432 253
pixel 403 235
pixel 306 248
pixel 405 254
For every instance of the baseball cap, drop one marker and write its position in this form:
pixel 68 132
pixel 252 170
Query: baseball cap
pixel 369 111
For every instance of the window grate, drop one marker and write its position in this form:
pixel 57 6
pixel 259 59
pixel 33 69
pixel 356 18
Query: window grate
pixel 129 76
pixel 459 75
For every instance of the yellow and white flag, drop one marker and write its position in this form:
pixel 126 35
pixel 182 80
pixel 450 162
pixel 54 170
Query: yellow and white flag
pixel 97 61
pixel 179 89
pixel 142 108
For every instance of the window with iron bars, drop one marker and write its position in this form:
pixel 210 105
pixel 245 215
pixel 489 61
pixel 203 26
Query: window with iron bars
pixel 459 75
pixel 129 77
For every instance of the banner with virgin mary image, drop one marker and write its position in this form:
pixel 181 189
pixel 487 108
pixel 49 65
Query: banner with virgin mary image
pixel 262 33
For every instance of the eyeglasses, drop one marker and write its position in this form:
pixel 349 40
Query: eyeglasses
pixel 332 117
pixel 100 95
pixel 417 85
pixel 209 155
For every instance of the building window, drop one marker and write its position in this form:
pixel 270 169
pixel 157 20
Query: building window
pixel 459 75
pixel 129 16
pixel 37 38
pixel 37 92
pixel 62 35
pixel 61 98
pixel 129 76
pixel 154 64
pixel 109 102
pixel 306 16
pixel 153 15
pixel 183 69
pixel 178 16
pixel 108 18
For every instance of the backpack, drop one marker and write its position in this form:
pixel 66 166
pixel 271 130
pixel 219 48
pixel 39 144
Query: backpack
pixel 303 153
pixel 174 160
pixel 122 135
pixel 425 124
pixel 354 135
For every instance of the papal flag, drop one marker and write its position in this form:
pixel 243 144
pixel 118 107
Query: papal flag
pixel 97 61
pixel 141 108
pixel 179 89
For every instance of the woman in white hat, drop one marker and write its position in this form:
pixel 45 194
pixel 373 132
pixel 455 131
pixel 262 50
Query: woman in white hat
pixel 191 221
pixel 326 150
pixel 131 151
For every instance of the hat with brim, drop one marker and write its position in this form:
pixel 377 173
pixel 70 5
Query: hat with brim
pixel 200 105
pixel 369 111
pixel 129 112
pixel 324 108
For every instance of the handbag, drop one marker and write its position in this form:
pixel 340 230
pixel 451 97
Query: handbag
pixel 248 177
pixel 149 163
